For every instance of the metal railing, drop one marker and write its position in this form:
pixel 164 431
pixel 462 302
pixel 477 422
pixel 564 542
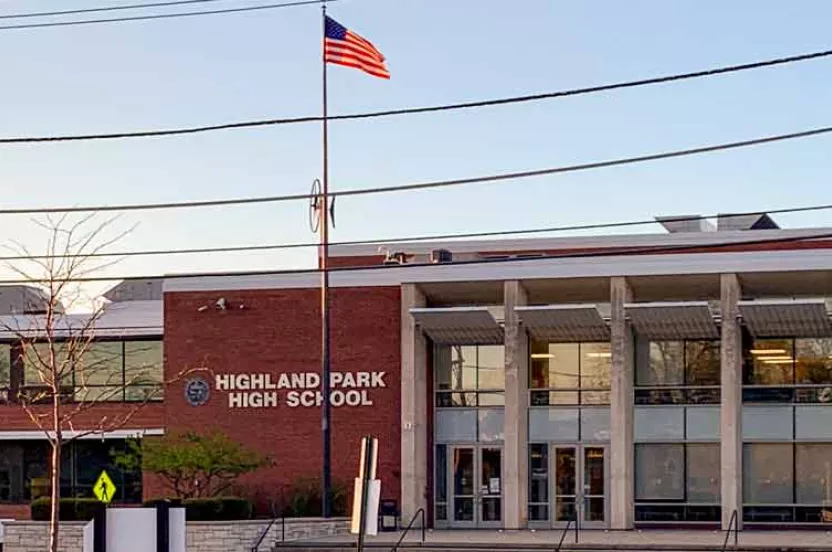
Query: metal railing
pixel 566 530
pixel 419 513
pixel 735 523
pixel 282 520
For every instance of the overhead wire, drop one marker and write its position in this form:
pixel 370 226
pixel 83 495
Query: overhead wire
pixel 78 11
pixel 617 252
pixel 418 238
pixel 416 110
pixel 621 161
pixel 174 15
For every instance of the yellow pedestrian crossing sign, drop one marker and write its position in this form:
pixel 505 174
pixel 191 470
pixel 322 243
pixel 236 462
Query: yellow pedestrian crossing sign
pixel 104 489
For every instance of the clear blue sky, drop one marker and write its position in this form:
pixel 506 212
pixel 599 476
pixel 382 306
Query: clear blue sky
pixel 215 69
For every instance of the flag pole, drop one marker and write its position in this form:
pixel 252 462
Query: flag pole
pixel 324 262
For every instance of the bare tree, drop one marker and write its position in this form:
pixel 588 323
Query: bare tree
pixel 66 373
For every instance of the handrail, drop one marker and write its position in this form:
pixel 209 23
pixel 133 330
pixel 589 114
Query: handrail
pixel 566 530
pixel 282 519
pixel 735 523
pixel 419 512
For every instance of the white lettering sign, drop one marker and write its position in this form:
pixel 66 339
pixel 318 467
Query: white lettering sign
pixel 299 389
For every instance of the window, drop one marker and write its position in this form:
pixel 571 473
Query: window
pixel 788 371
pixel 470 376
pixel 787 482
pixel 677 372
pixel 677 482
pixel 83 462
pixel 538 482
pixel 569 373
pixel 441 483
pixel 23 469
pixel 100 371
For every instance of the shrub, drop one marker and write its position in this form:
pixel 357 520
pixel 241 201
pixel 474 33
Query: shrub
pixel 225 508
pixel 69 509
pixel 305 498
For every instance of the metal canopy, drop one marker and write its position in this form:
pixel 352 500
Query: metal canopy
pixel 459 325
pixel 564 322
pixel 665 321
pixel 785 317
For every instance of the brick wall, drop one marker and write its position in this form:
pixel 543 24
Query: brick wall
pixel 216 536
pixel 277 332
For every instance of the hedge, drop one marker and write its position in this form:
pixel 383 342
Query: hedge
pixel 69 509
pixel 224 508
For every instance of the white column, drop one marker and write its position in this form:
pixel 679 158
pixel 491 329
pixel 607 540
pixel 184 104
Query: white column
pixel 515 451
pixel 621 409
pixel 730 411
pixel 414 442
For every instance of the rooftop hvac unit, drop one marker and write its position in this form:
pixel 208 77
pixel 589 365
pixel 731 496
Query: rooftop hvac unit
pixel 441 256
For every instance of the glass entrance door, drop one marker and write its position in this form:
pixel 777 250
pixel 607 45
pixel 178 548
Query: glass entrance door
pixel 476 486
pixel 580 485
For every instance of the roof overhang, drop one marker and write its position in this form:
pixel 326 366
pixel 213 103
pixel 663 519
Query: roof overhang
pixel 564 322
pixel 459 325
pixel 786 317
pixel 665 321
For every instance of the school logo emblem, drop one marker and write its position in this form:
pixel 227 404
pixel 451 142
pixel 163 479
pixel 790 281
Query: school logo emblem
pixel 197 391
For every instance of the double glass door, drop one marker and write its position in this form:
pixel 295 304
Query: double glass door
pixel 580 491
pixel 476 486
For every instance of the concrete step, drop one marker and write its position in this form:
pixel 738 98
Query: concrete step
pixel 549 547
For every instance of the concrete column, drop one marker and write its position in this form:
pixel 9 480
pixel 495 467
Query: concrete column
pixel 730 412
pixel 515 451
pixel 414 407
pixel 621 409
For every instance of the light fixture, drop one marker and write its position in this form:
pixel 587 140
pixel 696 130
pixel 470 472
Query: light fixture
pixel 768 351
pixel 543 355
pixel 599 355
pixel 776 357
pixel 769 361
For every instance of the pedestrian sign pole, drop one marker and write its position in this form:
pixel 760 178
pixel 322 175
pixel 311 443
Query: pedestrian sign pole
pixel 367 493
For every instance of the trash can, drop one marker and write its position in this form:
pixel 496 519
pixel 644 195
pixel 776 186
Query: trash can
pixel 388 515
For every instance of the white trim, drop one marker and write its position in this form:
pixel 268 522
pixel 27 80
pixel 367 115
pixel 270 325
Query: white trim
pixel 36 435
pixel 569 267
pixel 575 242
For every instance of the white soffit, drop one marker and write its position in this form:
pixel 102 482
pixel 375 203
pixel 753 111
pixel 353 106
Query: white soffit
pixel 36 435
pixel 785 317
pixel 459 325
pixel 564 322
pixel 663 321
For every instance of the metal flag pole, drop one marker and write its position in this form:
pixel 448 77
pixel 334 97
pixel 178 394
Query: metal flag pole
pixel 325 342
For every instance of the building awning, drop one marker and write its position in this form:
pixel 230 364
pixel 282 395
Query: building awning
pixel 564 322
pixel 785 317
pixel 665 321
pixel 459 325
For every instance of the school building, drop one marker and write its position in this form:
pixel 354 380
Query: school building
pixel 630 380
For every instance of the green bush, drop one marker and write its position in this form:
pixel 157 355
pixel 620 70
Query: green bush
pixel 69 509
pixel 305 498
pixel 224 508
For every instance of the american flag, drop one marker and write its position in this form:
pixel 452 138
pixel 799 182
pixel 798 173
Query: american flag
pixel 344 47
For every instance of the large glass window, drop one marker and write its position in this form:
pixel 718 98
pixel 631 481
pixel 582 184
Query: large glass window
pixel 470 376
pixel 677 372
pixel 677 482
pixel 787 482
pixel 538 482
pixel 441 484
pixel 788 371
pixel 23 471
pixel 96 371
pixel 82 464
pixel 569 373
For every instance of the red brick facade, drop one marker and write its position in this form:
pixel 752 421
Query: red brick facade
pixel 277 332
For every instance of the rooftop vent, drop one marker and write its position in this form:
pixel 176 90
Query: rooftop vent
pixel 758 221
pixel 685 223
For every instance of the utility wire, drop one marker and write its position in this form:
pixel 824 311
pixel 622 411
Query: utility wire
pixel 160 15
pixel 432 184
pixel 416 110
pixel 635 251
pixel 26 15
pixel 415 239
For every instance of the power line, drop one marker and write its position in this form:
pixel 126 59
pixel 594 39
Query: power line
pixel 413 239
pixel 415 110
pixel 431 184
pixel 634 251
pixel 26 15
pixel 160 15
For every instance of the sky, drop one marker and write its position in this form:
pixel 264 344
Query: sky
pixel 266 64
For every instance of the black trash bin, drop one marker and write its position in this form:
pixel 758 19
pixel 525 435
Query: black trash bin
pixel 388 515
